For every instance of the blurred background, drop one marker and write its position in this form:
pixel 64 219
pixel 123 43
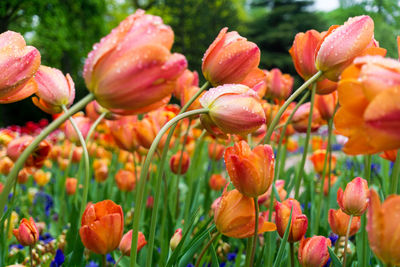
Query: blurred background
pixel 65 30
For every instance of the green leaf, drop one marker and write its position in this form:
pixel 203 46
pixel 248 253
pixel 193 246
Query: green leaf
pixel 281 250
pixel 335 260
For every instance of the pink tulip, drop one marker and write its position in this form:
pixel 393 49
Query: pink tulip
pixel 354 199
pixel 279 85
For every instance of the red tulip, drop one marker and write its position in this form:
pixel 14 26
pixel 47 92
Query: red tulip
pixel 27 233
pixel 179 162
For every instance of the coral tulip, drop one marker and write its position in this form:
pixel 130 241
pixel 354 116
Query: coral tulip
pixel 27 233
pixel 300 118
pixel 229 59
pixel 179 163
pixel 139 47
pixel 18 65
pixel 233 108
pixel 369 98
pixel 299 223
pixel 215 151
pixel 257 81
pixel 126 242
pixel 279 86
pixel 83 124
pixel 313 251
pixel 383 228
pixel 186 80
pixel 53 89
pixel 217 182
pixel 342 44
pixel 123 132
pixel 126 180
pixel 70 186
pixel 251 171
pixel 102 226
pixel 326 105
pixel 318 158
pixel 339 221
pixel 35 159
pixel 354 199
pixel 234 216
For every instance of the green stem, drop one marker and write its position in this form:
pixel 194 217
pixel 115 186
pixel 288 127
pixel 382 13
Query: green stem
pixel 395 174
pixel 306 143
pixel 287 103
pixel 94 125
pixel 119 259
pixel 104 260
pixel 367 167
pixel 25 154
pixel 255 236
pixel 346 240
pixel 157 196
pixel 31 255
pixel 291 254
pixel 203 251
pixel 139 199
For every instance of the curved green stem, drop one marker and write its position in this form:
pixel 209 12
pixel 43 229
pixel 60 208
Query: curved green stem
pixel 94 125
pixel 11 179
pixel 395 174
pixel 139 199
pixel 299 90
pixel 119 259
pixel 306 143
pixel 250 258
pixel 160 168
pixel 346 241
pixel 205 248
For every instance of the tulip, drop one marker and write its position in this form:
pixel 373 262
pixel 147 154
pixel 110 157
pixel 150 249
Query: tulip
pixel 229 59
pixel 70 186
pixel 265 199
pixel 299 223
pixel 126 242
pixel 292 145
pixel 233 109
pixel 326 183
pixel 18 65
pixel 1 187
pixel 354 199
pixel 326 105
pixel 6 136
pixel 313 251
pixel 100 167
pixel 187 94
pixel 6 165
pixel 339 221
pixel 389 155
pixel 186 80
pixel 126 180
pixel 41 177
pixel 77 154
pixel 123 132
pixel 102 226
pixel 279 86
pixel 54 90
pixel 369 100
pixel 139 47
pixel 83 124
pixel 27 233
pixel 318 158
pixel 175 239
pixel 318 143
pixel 179 163
pixel 383 228
pixel 149 202
pixel 251 171
pixel 257 81
pixel 234 216
pixel 342 44
pixel 35 159
pixel 215 151
pixel 301 117
pixel 217 182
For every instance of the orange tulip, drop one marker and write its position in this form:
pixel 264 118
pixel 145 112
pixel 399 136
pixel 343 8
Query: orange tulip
pixel 313 251
pixel 6 164
pixel 18 65
pixel 318 158
pixel 299 223
pixel 123 132
pixel 257 81
pixel 126 180
pixel 389 155
pixel 229 59
pixel 233 109
pixel 186 80
pixel 265 199
pixel 318 143
pixel 27 233
pixel 251 171
pixel 126 242
pixel 35 159
pixel 54 90
pixel 215 151
pixel 41 177
pixel 179 162
pixel 100 167
pixel 24 174
pixel 354 199
pixel 279 86
pixel 102 226
pixel 300 118
pixel 339 221
pixel 326 104
pixel 217 182
pixel 383 228
pixel 326 183
pixel 70 186
pixel 234 216
pixel 342 44
pixel 139 47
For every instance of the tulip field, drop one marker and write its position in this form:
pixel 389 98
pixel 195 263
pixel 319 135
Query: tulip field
pixel 154 167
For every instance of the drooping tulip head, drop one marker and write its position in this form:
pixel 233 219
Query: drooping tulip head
pixel 354 199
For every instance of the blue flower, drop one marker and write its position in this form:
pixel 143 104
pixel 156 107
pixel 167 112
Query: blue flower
pixel 16 246
pixel 223 264
pixel 92 264
pixel 231 256
pixel 58 259
pixel 46 238
pixel 190 265
pixel 110 259
pixel 46 199
pixel 336 147
pixel 333 237
pixel 328 263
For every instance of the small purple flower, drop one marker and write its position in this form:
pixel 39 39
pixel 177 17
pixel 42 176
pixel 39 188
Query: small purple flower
pixel 110 259
pixel 231 256
pixel 92 264
pixel 58 259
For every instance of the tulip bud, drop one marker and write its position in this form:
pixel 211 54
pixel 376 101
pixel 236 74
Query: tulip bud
pixel 234 216
pixel 126 180
pixel 301 117
pixel 179 163
pixel 299 222
pixel 318 159
pixel 279 86
pixel 70 186
pixel 27 234
pixel 216 151
pixel 54 90
pixel 126 242
pixel 175 239
pixel 217 182
pixel 102 226
pixel 389 155
pixel 233 109
pixel 313 251
pixel 229 59
pixel 251 171
pixel 19 64
pixel 149 202
pixel 354 199
pixel 339 221
pixel 342 44
pixel 326 105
